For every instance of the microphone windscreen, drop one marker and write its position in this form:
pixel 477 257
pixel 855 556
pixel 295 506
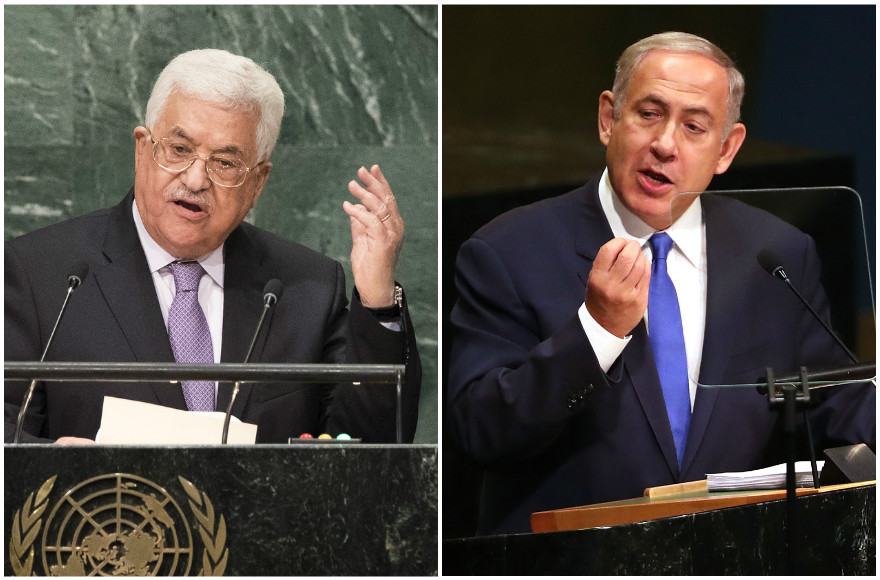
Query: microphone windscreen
pixel 272 291
pixel 768 261
pixel 77 274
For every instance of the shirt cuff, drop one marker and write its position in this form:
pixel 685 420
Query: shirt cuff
pixel 395 325
pixel 606 346
pixel 389 316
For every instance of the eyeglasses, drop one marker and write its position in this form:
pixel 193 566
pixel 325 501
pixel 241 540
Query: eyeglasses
pixel 176 156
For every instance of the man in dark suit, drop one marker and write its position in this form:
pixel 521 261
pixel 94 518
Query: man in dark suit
pixel 557 385
pixel 201 162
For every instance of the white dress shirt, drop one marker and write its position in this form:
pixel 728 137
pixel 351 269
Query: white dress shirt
pixel 210 286
pixel 686 265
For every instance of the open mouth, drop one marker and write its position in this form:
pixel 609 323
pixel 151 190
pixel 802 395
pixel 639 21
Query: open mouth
pixel 655 177
pixel 190 206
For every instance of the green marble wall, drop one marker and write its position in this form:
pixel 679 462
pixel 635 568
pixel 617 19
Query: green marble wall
pixel 360 86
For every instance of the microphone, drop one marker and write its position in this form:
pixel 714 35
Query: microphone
pixel 773 266
pixel 77 274
pixel 271 294
pixel 858 372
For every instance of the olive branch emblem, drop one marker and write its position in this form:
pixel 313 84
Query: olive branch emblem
pixel 216 555
pixel 26 525
pixel 28 521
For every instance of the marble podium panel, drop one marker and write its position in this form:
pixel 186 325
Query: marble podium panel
pixel 304 509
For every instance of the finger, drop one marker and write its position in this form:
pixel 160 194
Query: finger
pixel 370 200
pixel 371 182
pixel 645 283
pixel 607 254
pixel 637 271
pixel 375 181
pixel 357 228
pixel 367 218
pixel 625 261
pixel 377 173
pixel 368 191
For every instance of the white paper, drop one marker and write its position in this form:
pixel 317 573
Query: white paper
pixel 126 422
pixel 766 478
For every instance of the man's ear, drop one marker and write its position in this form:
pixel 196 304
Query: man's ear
pixel 141 140
pixel 264 170
pixel 606 116
pixel 730 147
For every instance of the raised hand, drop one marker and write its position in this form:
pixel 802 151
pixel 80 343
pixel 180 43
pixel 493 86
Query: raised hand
pixel 617 290
pixel 376 236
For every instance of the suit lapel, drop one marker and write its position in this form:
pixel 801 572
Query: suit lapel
pixel 595 230
pixel 724 265
pixel 243 283
pixel 637 357
pixel 128 288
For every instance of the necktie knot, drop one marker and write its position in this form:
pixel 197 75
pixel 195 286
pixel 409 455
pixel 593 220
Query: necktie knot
pixel 187 275
pixel 661 243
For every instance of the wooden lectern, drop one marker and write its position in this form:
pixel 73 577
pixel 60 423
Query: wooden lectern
pixel 663 502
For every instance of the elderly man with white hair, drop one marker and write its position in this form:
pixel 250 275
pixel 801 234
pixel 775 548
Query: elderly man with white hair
pixel 176 275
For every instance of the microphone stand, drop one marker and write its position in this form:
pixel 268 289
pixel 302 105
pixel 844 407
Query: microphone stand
pixel 73 282
pixel 266 306
pixel 787 396
pixel 229 414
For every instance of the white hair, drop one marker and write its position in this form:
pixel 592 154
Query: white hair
pixel 231 81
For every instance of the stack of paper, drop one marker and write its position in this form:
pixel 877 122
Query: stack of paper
pixel 766 478
pixel 125 422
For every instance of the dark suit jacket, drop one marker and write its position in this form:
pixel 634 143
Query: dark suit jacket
pixel 528 399
pixel 114 316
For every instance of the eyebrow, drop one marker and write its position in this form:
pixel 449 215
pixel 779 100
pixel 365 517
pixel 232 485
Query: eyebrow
pixel 232 149
pixel 654 99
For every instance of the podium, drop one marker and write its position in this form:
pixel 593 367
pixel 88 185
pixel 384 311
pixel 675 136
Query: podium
pixel 302 509
pixel 305 509
pixel 836 536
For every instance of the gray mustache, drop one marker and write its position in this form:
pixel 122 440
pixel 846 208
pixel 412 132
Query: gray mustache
pixel 187 195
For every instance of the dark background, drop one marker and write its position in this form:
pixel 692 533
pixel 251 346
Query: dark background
pixel 520 95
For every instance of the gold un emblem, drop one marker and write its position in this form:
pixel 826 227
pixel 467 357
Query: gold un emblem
pixel 117 525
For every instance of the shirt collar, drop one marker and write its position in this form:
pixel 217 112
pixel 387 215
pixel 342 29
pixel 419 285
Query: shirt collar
pixel 686 231
pixel 158 258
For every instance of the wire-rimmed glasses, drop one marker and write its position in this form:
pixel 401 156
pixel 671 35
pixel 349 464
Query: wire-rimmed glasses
pixel 176 156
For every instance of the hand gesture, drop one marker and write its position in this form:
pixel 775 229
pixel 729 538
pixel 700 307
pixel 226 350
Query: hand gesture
pixel 376 236
pixel 617 290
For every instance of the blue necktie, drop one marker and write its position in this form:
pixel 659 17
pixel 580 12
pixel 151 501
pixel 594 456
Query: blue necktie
pixel 667 342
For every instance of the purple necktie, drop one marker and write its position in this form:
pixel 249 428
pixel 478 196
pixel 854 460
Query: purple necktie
pixel 667 341
pixel 189 333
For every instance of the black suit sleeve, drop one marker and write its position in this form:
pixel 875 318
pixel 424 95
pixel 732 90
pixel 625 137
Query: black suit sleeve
pixel 846 414
pixel 511 393
pixel 369 411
